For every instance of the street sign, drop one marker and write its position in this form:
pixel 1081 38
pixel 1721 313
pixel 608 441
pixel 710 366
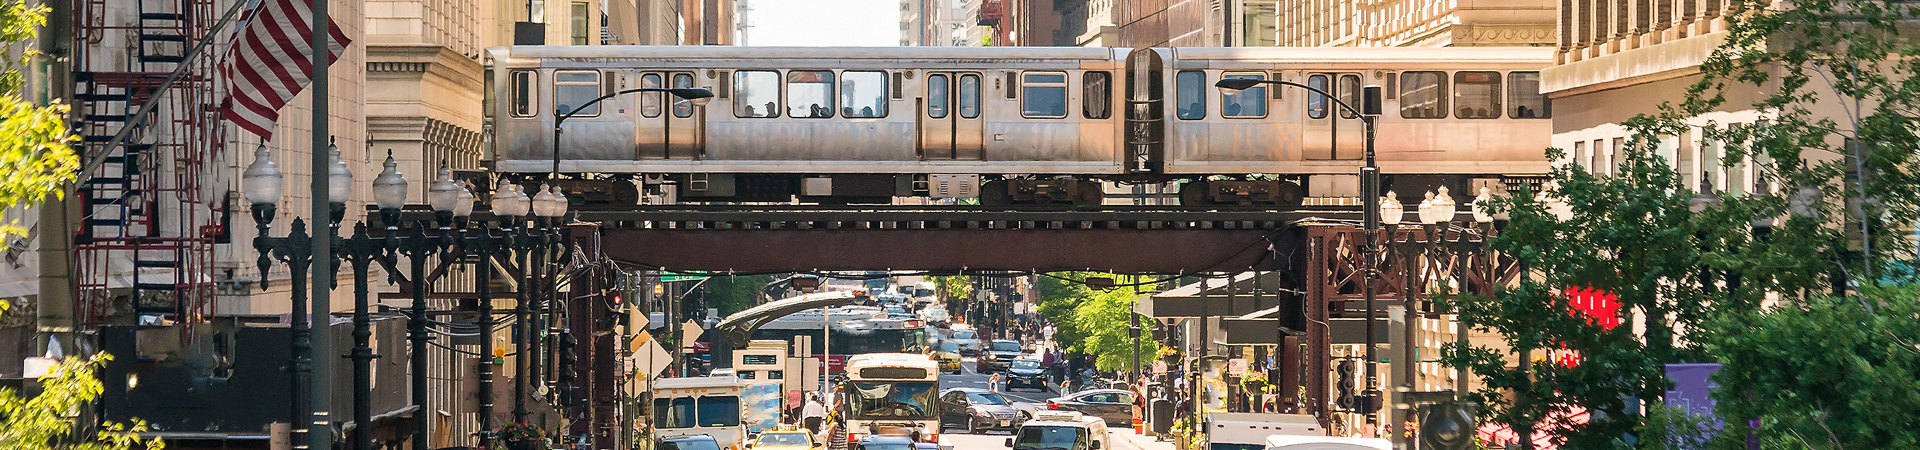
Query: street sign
pixel 638 340
pixel 1237 367
pixel 673 278
pixel 690 332
pixel 1159 367
pixel 651 359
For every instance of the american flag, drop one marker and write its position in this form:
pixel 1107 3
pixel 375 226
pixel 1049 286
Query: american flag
pixel 272 61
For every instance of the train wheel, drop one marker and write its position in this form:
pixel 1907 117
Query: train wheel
pixel 994 193
pixel 1288 194
pixel 1091 194
pixel 1194 193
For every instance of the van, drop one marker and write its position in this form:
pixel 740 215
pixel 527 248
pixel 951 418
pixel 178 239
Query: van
pixel 1283 442
pixel 1068 430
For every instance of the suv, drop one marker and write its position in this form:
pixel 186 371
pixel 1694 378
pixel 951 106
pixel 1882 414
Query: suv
pixel 999 355
pixel 1063 430
pixel 1025 372
pixel 694 442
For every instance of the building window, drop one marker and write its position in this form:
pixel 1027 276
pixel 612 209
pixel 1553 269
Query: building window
pixel 776 374
pixel 1096 95
pixel 809 93
pixel 969 96
pixel 1245 103
pixel 756 93
pixel 1423 95
pixel 1191 87
pixel 581 31
pixel 650 101
pixel 571 89
pixel 863 94
pixel 1477 94
pixel 1043 95
pixel 1317 102
pixel 1350 93
pixel 682 108
pixel 1262 24
pixel 937 96
pixel 1524 97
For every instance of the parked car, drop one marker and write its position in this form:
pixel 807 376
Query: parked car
pixel 1027 373
pixel 968 339
pixel 947 354
pixel 694 442
pixel 977 410
pixel 999 355
pixel 1113 405
pixel 784 440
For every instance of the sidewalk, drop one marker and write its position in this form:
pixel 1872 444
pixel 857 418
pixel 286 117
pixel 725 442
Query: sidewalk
pixel 1124 438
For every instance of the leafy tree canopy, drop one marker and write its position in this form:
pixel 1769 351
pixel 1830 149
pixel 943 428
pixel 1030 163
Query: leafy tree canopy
pixel 34 145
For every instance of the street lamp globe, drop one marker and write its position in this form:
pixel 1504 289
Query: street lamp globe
pixel 1426 209
pixel 1443 207
pixel 543 202
pixel 1391 211
pixel 390 187
pixel 1482 211
pixel 507 201
pixel 463 205
pixel 525 201
pixel 560 202
pixel 262 179
pixel 339 177
pixel 443 195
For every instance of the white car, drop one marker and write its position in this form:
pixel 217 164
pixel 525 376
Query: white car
pixel 968 339
pixel 936 315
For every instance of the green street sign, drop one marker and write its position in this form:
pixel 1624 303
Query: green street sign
pixel 673 278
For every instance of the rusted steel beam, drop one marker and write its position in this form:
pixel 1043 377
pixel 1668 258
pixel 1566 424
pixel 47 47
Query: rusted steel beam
pixel 1117 250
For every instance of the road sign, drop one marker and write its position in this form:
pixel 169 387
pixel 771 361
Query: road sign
pixel 651 359
pixel 690 332
pixel 638 340
pixel 1237 367
pixel 673 278
pixel 1159 367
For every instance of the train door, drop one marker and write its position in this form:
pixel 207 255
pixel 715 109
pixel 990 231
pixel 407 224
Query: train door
pixel 1333 132
pixel 669 127
pixel 950 117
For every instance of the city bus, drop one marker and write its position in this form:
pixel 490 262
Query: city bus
pixel 699 405
pixel 891 393
pixel 857 330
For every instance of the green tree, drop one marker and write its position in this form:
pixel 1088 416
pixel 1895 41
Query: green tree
pixel 34 144
pixel 1095 322
pixel 47 420
pixel 731 294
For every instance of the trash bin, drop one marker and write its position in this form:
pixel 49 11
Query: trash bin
pixel 1162 414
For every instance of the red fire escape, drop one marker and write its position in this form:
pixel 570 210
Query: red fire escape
pixel 152 209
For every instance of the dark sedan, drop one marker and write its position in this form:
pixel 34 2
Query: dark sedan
pixel 999 355
pixel 884 442
pixel 1113 405
pixel 1026 373
pixel 977 410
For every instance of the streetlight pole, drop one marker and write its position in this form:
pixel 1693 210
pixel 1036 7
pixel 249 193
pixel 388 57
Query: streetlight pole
pixel 1369 114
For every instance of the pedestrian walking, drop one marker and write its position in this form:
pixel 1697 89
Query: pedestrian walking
pixel 993 381
pixel 814 413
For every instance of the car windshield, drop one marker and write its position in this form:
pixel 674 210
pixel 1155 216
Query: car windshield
pixel 892 400
pixel 895 310
pixel 986 398
pixel 949 346
pixel 963 334
pixel 783 439
pixel 690 444
pixel 886 446
pixel 1006 346
pixel 1043 437
pixel 1026 364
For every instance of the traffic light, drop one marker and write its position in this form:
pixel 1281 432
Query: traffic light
pixel 1343 385
pixel 1448 426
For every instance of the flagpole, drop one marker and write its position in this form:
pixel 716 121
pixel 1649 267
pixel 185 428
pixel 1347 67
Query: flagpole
pixel 320 431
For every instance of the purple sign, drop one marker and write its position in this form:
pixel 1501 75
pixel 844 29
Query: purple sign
pixel 1693 390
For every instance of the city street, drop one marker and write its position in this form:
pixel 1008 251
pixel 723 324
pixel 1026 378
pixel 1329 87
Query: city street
pixel 1121 439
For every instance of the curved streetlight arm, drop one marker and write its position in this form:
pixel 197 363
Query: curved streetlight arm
pixel 1367 119
pixel 695 95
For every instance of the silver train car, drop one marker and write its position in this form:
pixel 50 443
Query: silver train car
pixel 1008 124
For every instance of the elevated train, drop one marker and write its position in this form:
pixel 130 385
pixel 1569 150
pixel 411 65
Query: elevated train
pixel 1010 124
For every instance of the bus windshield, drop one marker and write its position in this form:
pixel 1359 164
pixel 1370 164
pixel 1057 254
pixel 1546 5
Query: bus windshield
pixel 892 400
pixel 712 411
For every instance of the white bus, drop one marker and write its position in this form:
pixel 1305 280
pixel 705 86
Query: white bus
pixel 891 393
pixel 699 405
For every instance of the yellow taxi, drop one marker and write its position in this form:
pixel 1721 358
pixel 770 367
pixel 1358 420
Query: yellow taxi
pixel 783 440
pixel 947 354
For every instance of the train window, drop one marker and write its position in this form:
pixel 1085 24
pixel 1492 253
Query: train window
pixel 573 89
pixel 1044 95
pixel 756 93
pixel 1245 103
pixel 1524 98
pixel 1477 94
pixel 1423 95
pixel 969 96
pixel 809 93
pixel 863 94
pixel 937 96
pixel 682 108
pixel 522 82
pixel 1316 102
pixel 1096 94
pixel 650 101
pixel 1191 85
pixel 1349 93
